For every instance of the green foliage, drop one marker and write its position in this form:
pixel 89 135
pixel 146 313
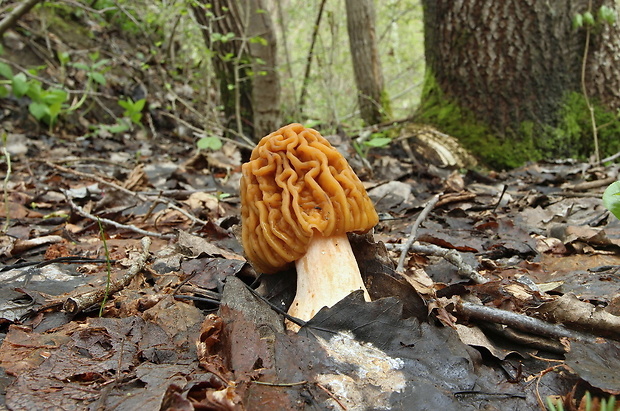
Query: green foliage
pixel 45 104
pixel 498 152
pixel 611 198
pixel 606 404
pixel 133 110
pixel 209 143
pixel 604 15
pixel 374 140
pixel 570 136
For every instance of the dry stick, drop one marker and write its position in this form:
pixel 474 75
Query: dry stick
pixel 113 223
pixel 17 12
pixel 519 321
pixel 126 191
pixel 454 258
pixel 74 305
pixel 414 231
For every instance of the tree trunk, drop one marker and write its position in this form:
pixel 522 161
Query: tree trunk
pixel 508 74
pixel 374 104
pixel 265 80
pixel 245 64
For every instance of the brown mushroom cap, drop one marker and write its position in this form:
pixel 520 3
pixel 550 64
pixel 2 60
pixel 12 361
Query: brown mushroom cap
pixel 297 185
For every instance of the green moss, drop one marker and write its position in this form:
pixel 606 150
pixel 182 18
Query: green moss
pixel 493 150
pixel 571 136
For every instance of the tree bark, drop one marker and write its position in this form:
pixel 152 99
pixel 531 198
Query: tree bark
pixel 513 63
pixel 245 65
pixel 265 80
pixel 373 102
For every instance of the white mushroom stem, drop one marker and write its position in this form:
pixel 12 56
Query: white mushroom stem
pixel 326 274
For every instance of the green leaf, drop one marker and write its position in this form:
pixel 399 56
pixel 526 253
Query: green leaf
pixel 611 199
pixel 588 19
pixel 4 92
pixel 258 39
pixel 126 104
pixel 35 92
pixel 378 142
pixel 5 71
pixel 118 128
pixel 577 21
pixel 135 118
pixel 54 97
pixel 209 143
pixel 38 110
pixel 139 105
pixel 20 85
pixel 97 77
pixel 606 14
pixel 81 66
pixel 63 57
pixel 100 63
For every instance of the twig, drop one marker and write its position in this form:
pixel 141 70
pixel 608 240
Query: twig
pixel 414 232
pixel 5 186
pixel 126 191
pixel 333 397
pixel 611 158
pixel 17 12
pixel 519 321
pixel 281 384
pixel 113 223
pixel 76 304
pixel 454 258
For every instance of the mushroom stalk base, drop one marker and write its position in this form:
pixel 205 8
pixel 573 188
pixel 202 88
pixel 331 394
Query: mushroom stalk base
pixel 326 274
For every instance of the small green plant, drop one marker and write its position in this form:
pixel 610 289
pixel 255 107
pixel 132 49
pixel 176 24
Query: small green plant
pixel 209 143
pixel 374 140
pixel 606 404
pixel 45 104
pixel 611 198
pixel 94 73
pixel 133 109
pixel 605 16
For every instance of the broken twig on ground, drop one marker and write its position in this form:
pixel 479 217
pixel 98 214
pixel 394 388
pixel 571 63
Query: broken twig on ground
pixel 414 231
pixel 122 189
pixel 113 223
pixel 74 305
pixel 519 321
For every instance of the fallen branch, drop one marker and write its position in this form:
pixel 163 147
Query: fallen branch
pixel 414 232
pixel 518 321
pixel 454 258
pixel 122 189
pixel 14 15
pixel 76 304
pixel 113 223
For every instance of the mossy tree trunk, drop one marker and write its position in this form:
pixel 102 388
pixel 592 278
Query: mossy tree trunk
pixel 373 101
pixel 241 38
pixel 505 77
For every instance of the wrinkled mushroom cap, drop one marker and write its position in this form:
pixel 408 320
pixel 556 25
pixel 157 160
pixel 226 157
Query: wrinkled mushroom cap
pixel 297 185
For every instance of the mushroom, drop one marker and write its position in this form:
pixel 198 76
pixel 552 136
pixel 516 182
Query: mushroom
pixel 299 199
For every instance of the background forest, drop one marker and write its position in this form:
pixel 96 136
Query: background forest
pixel 515 83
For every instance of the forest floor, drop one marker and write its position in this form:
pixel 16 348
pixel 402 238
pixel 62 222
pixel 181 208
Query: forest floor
pixel 123 283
